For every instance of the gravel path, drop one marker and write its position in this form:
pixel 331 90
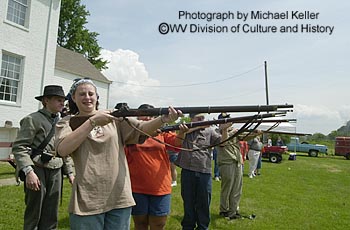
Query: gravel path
pixel 8 181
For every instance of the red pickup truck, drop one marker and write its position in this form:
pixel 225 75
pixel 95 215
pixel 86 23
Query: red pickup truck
pixel 274 153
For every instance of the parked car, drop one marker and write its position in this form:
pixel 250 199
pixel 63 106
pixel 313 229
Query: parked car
pixel 312 149
pixel 342 147
pixel 274 153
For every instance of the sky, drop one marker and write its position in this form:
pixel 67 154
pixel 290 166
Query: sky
pixel 206 53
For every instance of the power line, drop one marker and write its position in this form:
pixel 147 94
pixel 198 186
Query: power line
pixel 191 84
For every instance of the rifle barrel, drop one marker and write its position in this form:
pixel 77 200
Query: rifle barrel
pixel 243 119
pixel 204 109
pixel 278 120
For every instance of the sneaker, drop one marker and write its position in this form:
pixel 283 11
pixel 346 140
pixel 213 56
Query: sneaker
pixel 173 184
pixel 235 216
pixel 251 176
pixel 224 214
pixel 217 178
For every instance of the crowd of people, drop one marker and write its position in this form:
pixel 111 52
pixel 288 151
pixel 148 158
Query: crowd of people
pixel 124 167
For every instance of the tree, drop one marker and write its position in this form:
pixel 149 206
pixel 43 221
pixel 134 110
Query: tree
pixel 73 35
pixel 185 120
pixel 333 135
pixel 317 137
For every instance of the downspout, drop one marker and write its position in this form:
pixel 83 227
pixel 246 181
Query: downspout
pixel 45 51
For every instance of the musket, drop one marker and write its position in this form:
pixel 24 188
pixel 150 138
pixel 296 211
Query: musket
pixel 279 120
pixel 286 133
pixel 204 109
pixel 76 121
pixel 254 119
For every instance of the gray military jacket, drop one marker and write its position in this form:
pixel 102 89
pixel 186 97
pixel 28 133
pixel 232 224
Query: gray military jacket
pixel 229 153
pixel 33 130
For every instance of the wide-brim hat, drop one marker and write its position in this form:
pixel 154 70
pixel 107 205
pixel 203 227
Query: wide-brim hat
pixel 52 90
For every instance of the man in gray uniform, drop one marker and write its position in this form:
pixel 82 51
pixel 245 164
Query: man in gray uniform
pixel 37 161
pixel 230 165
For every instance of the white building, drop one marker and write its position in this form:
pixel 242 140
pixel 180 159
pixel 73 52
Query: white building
pixel 28 62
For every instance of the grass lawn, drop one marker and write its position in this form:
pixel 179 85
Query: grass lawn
pixel 308 193
pixel 6 170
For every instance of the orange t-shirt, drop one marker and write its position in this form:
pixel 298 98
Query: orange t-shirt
pixel 149 165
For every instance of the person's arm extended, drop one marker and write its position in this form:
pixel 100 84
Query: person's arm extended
pixel 224 132
pixel 181 135
pixel 150 127
pixel 73 140
pixel 252 135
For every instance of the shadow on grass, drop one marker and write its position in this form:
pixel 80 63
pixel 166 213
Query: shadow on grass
pixel 174 222
pixel 63 223
pixel 7 173
pixel 178 218
pixel 214 220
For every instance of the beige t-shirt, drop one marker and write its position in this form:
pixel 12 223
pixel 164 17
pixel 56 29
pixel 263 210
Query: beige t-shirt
pixel 102 181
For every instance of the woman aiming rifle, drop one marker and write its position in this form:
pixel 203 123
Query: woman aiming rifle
pixel 101 194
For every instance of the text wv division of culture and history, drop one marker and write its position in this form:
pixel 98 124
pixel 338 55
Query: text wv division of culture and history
pixel 302 22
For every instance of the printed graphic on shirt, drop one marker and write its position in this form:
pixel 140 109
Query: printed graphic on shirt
pixel 96 132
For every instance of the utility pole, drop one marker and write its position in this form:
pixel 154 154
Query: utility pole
pixel 266 85
pixel 264 136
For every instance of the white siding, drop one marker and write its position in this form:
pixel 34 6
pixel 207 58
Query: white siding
pixel 37 45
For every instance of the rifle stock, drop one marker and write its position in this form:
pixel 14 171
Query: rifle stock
pixel 76 121
pixel 243 119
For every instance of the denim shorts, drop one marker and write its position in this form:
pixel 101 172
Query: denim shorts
pixel 113 219
pixel 151 205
